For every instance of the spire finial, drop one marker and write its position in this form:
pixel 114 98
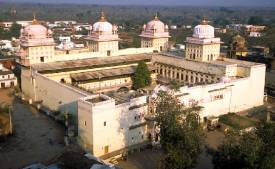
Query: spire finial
pixel 204 21
pixel 156 16
pixel 34 21
pixel 102 17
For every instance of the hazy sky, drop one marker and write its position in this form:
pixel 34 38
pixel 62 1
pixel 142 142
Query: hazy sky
pixel 163 2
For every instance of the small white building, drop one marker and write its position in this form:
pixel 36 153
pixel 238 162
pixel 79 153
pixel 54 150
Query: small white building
pixel 7 78
pixel 61 23
pixel 255 34
pixel 173 27
pixel 6 44
pixel 7 25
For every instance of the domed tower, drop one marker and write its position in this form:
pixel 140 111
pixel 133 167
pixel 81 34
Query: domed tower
pixel 36 44
pixel 203 46
pixel 103 37
pixel 155 35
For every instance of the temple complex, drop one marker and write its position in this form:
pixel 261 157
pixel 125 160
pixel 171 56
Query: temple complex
pixel 94 84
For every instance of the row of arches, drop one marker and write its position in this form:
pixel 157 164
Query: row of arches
pixel 186 76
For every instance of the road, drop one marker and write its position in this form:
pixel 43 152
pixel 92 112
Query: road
pixel 36 138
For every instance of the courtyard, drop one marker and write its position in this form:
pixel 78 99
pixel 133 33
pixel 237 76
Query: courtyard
pixel 36 137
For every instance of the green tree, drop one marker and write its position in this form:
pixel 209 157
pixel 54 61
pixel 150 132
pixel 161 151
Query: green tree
pixel 4 34
pixel 15 30
pixel 247 151
pixel 256 20
pixel 181 135
pixel 142 76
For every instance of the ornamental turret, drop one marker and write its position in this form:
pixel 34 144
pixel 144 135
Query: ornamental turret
pixel 155 35
pixel 36 44
pixel 103 36
pixel 203 45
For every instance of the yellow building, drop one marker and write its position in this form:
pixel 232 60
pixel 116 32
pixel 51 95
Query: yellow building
pixel 203 46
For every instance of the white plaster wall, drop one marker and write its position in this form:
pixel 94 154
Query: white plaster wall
pixel 27 85
pixel 57 96
pixel 54 95
pixel 116 134
pixel 8 82
pixel 238 95
pixel 85 125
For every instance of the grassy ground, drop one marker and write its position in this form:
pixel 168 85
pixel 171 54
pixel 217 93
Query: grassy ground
pixel 237 122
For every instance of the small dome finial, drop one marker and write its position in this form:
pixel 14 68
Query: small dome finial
pixel 156 16
pixel 34 20
pixel 204 21
pixel 102 17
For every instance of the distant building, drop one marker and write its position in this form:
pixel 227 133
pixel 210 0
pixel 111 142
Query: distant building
pixel 254 28
pixel 235 27
pixel 64 23
pixel 7 78
pixel 255 34
pixel 173 27
pixel 220 30
pixel 7 25
pixel 186 26
pixel 65 43
pixel 180 46
pixel 6 44
pixel 79 27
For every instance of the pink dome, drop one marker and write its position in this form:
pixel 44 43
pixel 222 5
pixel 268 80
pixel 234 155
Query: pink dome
pixel 155 29
pixel 35 31
pixel 155 25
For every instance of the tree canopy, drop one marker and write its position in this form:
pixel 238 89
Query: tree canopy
pixel 181 135
pixel 14 31
pixel 142 76
pixel 248 151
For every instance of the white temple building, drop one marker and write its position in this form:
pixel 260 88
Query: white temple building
pixel 103 37
pixel 91 84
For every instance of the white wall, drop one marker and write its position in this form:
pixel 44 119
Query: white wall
pixel 54 95
pixel 238 95
pixel 116 134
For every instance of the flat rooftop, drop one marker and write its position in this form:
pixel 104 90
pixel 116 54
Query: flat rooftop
pixel 106 73
pixel 96 99
pixel 5 72
pixel 124 97
pixel 89 63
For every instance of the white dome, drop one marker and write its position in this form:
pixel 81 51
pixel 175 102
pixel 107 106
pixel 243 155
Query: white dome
pixel 103 27
pixel 204 31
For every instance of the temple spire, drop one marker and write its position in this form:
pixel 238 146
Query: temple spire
pixel 34 20
pixel 204 21
pixel 102 17
pixel 156 16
